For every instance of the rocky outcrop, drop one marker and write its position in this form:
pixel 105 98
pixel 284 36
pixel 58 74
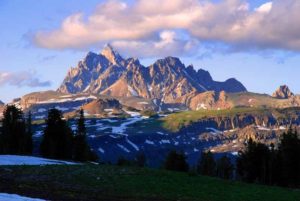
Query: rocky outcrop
pixel 283 92
pixel 210 100
pixel 103 106
pixel 36 98
pixel 167 80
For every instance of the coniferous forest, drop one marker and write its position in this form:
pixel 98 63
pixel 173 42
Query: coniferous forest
pixel 258 163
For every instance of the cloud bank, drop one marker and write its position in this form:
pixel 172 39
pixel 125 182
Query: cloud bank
pixel 22 79
pixel 156 26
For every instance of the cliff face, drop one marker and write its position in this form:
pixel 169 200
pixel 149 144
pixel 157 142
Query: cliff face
pixel 264 121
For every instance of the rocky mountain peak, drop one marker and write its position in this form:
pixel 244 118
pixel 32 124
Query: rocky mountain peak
pixel 172 62
pixel 283 92
pixel 111 54
pixel 167 80
pixel 1 103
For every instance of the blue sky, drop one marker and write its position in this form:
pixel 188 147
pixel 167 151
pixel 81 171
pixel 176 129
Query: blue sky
pixel 36 52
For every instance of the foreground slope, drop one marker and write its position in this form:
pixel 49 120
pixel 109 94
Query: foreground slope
pixel 112 183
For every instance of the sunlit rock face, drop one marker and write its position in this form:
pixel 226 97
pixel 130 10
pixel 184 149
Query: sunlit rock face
pixel 167 80
pixel 283 92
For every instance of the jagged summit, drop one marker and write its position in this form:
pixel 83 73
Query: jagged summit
pixel 167 80
pixel 1 103
pixel 111 54
pixel 283 92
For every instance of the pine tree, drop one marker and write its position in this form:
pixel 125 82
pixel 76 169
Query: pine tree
pixel 288 155
pixel 176 162
pixel 140 159
pixel 253 165
pixel 14 138
pixel 224 168
pixel 206 164
pixel 57 140
pixel 29 142
pixel 82 151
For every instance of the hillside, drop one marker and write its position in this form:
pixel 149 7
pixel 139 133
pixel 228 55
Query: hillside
pixel 237 117
pixel 113 183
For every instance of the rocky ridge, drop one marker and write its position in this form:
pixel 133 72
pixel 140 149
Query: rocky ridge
pixel 167 80
pixel 283 92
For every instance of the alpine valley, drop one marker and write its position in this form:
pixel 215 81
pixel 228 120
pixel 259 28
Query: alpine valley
pixel 131 108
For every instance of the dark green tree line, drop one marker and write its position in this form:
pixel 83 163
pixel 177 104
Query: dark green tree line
pixel 176 161
pixel 59 141
pixel 15 136
pixel 265 164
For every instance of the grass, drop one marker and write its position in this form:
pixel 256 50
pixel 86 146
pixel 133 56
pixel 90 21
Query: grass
pixel 176 121
pixel 103 182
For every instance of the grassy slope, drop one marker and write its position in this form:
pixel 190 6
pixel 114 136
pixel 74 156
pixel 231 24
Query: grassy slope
pixel 176 121
pixel 91 182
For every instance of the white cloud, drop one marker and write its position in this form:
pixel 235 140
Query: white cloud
pixel 168 44
pixel 265 8
pixel 21 79
pixel 143 24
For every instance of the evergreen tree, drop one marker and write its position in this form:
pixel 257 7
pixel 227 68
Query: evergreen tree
pixel 206 164
pixel 82 151
pixel 288 156
pixel 58 137
pixel 14 138
pixel 176 162
pixel 253 164
pixel 224 168
pixel 29 142
pixel 140 159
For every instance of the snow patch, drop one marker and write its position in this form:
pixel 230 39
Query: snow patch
pixel 214 131
pixel 15 197
pixel 262 128
pixel 132 144
pixel 160 133
pixel 149 142
pixel 165 142
pixel 132 91
pixel 42 110
pixel 149 87
pixel 62 108
pixel 123 148
pixel 201 106
pixel 30 160
pixel 101 150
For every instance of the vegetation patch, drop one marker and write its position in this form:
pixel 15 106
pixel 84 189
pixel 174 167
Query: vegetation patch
pixel 104 182
pixel 174 122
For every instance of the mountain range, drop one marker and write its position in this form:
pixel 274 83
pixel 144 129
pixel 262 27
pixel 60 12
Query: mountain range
pixel 127 108
pixel 110 82
pixel 167 80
